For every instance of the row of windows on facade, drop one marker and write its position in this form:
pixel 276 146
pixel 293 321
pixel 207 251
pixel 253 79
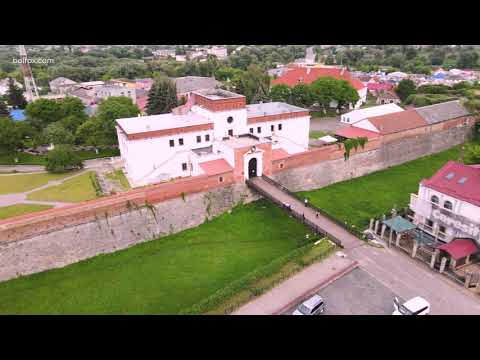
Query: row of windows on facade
pixel 180 141
pixel 272 128
pixel 446 204
pixel 442 229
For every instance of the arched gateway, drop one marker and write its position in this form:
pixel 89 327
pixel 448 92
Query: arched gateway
pixel 252 168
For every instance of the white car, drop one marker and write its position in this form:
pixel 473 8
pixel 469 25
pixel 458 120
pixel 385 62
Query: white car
pixel 415 306
pixel 313 306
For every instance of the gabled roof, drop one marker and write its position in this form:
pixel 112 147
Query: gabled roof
pixel 443 111
pixel 459 248
pixel 351 132
pixel 398 121
pixel 457 180
pixel 308 75
pixel 271 108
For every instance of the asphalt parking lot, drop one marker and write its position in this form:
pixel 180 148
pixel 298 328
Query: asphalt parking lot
pixel 356 293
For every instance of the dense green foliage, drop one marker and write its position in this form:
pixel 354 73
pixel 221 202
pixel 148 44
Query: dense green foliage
pixel 162 97
pixel 62 158
pixel 405 88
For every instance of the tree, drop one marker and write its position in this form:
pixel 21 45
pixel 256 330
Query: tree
pixel 72 106
pixel 10 135
pixel 345 94
pixel 42 112
pixel 467 59
pixel 472 154
pixel 323 91
pixel 302 95
pixel 56 133
pixel 15 95
pixel 111 109
pixel 63 158
pixel 405 88
pixel 254 84
pixel 281 92
pixel 3 110
pixel 162 97
pixel 90 133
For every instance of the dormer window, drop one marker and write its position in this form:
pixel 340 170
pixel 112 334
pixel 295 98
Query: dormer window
pixel 230 119
pixel 434 199
pixel 448 205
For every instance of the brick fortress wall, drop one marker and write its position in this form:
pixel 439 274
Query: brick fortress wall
pixel 58 237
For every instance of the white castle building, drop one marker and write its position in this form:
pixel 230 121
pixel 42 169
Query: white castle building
pixel 215 131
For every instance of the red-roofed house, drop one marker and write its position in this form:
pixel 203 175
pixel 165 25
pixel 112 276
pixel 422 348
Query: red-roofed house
pixel 307 75
pixel 448 204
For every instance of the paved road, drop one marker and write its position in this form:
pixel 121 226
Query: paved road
pixel 398 272
pixel 356 293
pixel 295 288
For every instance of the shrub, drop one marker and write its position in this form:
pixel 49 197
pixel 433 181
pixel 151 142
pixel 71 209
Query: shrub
pixel 63 158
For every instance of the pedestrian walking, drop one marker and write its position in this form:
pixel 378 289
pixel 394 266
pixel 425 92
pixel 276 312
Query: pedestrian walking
pixel 306 202
pixel 317 214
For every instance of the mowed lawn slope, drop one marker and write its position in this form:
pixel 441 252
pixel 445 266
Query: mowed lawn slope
pixel 356 201
pixel 163 276
pixel 19 209
pixel 79 188
pixel 13 183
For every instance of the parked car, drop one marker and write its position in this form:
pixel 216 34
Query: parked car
pixel 313 306
pixel 415 306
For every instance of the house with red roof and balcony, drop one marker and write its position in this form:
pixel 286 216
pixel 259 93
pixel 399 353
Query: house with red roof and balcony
pixel 307 75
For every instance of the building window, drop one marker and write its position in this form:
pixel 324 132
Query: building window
pixel 230 119
pixel 220 179
pixel 199 139
pixel 429 223
pixel 259 129
pixel 279 126
pixel 281 166
pixel 172 143
pixel 180 141
pixel 434 199
pixel 442 229
pixel 230 132
pixel 251 130
pixel 184 166
pixel 448 205
pixel 207 137
pixel 272 127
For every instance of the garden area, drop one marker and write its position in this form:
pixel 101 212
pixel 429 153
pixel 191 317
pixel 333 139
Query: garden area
pixel 195 271
pixel 356 201
pixel 20 209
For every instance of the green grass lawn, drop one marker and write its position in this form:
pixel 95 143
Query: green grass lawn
pixel 80 188
pixel 163 276
pixel 120 177
pixel 15 183
pixel 315 134
pixel 357 200
pixel 19 209
pixel 28 159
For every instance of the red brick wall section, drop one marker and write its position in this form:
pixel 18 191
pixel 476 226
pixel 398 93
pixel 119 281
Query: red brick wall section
pixel 166 132
pixel 267 160
pixel 220 104
pixel 29 225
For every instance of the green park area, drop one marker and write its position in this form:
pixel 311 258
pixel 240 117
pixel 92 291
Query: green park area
pixel 315 134
pixel 16 183
pixel 20 209
pixel 76 189
pixel 356 201
pixel 194 271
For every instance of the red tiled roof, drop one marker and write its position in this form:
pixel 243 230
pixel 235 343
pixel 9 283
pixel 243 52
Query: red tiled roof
pixel 278 154
pixel 379 86
pixel 351 132
pixel 468 191
pixel 308 75
pixel 459 248
pixel 398 121
pixel 215 167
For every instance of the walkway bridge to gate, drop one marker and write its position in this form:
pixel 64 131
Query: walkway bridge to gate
pixel 312 216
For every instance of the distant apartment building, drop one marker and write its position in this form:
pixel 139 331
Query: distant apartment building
pixel 187 84
pixel 220 52
pixel 61 85
pixel 164 53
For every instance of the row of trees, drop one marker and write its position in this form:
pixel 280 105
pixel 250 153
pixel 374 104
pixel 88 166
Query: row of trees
pixel 322 91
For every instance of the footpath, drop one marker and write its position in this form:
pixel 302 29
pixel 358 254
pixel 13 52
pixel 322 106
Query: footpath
pixel 301 285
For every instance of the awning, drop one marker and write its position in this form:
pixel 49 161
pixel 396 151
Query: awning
pixel 459 248
pixel 399 224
